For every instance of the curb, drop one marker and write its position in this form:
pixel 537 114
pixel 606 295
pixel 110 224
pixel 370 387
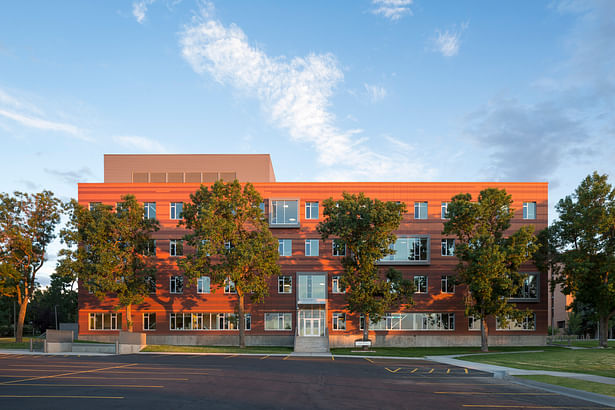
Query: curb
pixel 566 391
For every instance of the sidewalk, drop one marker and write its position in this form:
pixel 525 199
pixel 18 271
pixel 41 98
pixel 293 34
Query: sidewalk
pixel 24 352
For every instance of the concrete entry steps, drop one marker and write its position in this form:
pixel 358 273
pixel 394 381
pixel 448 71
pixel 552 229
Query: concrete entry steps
pixel 308 344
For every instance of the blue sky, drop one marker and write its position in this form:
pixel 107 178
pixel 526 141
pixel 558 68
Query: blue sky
pixel 385 90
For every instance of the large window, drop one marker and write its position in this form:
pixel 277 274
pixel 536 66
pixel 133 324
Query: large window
pixel 176 247
pixel 339 248
pixel 447 284
pixel 105 321
pixel 420 210
pixel 284 212
pixel 409 250
pixel 149 321
pixel 420 284
pixel 529 289
pixel 412 321
pixel 336 286
pixel 527 323
pixel 444 210
pixel 207 321
pixel 312 288
pixel 529 210
pixel 285 284
pixel 473 323
pixel 311 210
pixel 311 247
pixel 285 247
pixel 176 210
pixel 176 284
pixel 229 286
pixel 339 321
pixel 448 247
pixel 203 284
pixel 278 321
pixel 149 210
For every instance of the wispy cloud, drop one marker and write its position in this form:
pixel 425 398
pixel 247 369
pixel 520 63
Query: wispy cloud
pixel 139 9
pixel 376 93
pixel 392 9
pixel 141 144
pixel 71 177
pixel 295 94
pixel 42 124
pixel 447 42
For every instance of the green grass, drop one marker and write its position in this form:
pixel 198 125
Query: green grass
pixel 433 351
pixel 593 387
pixel 218 349
pixel 9 343
pixel 583 343
pixel 600 362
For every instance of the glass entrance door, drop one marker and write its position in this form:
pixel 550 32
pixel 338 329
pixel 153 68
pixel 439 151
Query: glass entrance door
pixel 312 327
pixel 311 322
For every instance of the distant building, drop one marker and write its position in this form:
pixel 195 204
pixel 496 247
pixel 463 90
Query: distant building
pixel 306 302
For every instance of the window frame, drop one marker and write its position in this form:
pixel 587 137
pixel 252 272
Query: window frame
pixel 311 247
pixel 147 210
pixel 335 321
pixel 229 287
pixel 175 246
pixel 445 282
pixel 336 286
pixel 336 247
pixel 444 210
pixel 444 245
pixel 173 214
pixel 282 285
pixel 418 207
pixel 282 243
pixel 411 248
pixel 115 321
pixel 282 316
pixel 176 286
pixel 515 326
pixel 526 210
pixel 273 206
pixel 148 315
pixel 523 297
pixel 200 285
pixel 417 287
pixel 309 210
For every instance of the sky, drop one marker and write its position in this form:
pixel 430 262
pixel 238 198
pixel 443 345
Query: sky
pixel 357 90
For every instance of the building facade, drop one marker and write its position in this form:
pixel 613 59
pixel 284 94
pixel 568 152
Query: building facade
pixel 306 300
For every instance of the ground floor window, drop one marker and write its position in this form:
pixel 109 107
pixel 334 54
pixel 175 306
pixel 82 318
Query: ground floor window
pixel 527 323
pixel 207 321
pixel 278 321
pixel 412 321
pixel 473 323
pixel 149 321
pixel 339 321
pixel 105 321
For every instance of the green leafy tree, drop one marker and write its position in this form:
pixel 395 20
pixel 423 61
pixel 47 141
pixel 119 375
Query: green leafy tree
pixel 108 251
pixel 60 298
pixel 489 260
pixel 366 227
pixel 584 237
pixel 27 227
pixel 232 241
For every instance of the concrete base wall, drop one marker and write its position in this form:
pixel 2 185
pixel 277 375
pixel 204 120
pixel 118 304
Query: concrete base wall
pixel 93 348
pixel 57 347
pixel 438 340
pixel 128 349
pixel 99 338
pixel 219 340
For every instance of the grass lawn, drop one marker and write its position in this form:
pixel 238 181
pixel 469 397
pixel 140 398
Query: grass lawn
pixel 584 343
pixel 9 343
pixel 218 349
pixel 600 362
pixel 432 351
pixel 593 387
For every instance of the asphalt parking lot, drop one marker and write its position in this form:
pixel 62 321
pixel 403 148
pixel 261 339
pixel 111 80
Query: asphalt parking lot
pixel 240 382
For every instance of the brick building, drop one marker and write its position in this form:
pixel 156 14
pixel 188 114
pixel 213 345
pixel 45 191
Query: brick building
pixel 306 301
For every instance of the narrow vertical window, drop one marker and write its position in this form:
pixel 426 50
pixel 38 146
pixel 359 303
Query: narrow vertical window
pixel 176 284
pixel 339 248
pixel 203 284
pixel 448 247
pixel 176 247
pixel 339 321
pixel 529 210
pixel 420 284
pixel 444 210
pixel 149 210
pixel 311 247
pixel 336 286
pixel 311 210
pixel 285 247
pixel 420 210
pixel 447 284
pixel 176 210
pixel 285 284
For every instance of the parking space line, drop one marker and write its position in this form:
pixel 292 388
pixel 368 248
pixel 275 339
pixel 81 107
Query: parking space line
pixel 103 377
pixel 286 357
pixel 448 371
pixel 465 370
pixel 228 357
pixel 479 393
pixel 508 406
pixel 393 371
pixel 69 374
pixel 130 386
pixel 368 359
pixel 40 396
pixel 264 357
pixel 431 371
pixel 415 369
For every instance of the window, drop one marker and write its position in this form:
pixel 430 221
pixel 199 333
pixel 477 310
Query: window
pixel 229 286
pixel 339 248
pixel 261 206
pixel 284 212
pixel 529 288
pixel 150 282
pixel 176 284
pixel 285 247
pixel 529 210
pixel 339 321
pixel 149 321
pixel 527 323
pixel 149 210
pixel 149 248
pixel 444 210
pixel 311 247
pixel 93 205
pixel 311 210
pixel 176 247
pixel 207 321
pixel 420 210
pixel 285 284
pixel 412 321
pixel 278 321
pixel 447 284
pixel 448 247
pixel 409 251
pixel 473 323
pixel 312 288
pixel 420 284
pixel 176 210
pixel 203 284
pixel 105 321
pixel 336 286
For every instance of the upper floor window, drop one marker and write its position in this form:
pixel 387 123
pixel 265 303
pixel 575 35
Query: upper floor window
pixel 150 282
pixel 285 284
pixel 311 210
pixel 285 247
pixel 311 247
pixel 229 286
pixel 447 284
pixel 176 210
pixel 176 247
pixel 149 247
pixel 93 205
pixel 409 250
pixel 336 286
pixel 284 212
pixel 420 284
pixel 339 248
pixel 203 284
pixel 176 284
pixel 529 210
pixel 529 289
pixel 339 321
pixel 149 210
pixel 448 247
pixel 444 210
pixel 420 210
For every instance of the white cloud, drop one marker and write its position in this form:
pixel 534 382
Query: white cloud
pixel 447 43
pixel 139 9
pixel 41 124
pixel 142 144
pixel 375 92
pixel 295 94
pixel 392 9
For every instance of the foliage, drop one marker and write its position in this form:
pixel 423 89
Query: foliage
pixel 489 260
pixel 27 227
pixel 106 251
pixel 232 241
pixel 365 227
pixel 584 239
pixel 60 297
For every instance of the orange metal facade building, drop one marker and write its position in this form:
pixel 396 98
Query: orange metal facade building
pixel 191 317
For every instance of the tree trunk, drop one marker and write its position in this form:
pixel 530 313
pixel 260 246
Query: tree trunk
pixel 129 323
pixel 603 331
pixel 23 306
pixel 484 334
pixel 242 323
pixel 366 331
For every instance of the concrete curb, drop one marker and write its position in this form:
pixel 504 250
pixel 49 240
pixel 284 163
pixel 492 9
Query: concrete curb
pixel 566 391
pixel 35 353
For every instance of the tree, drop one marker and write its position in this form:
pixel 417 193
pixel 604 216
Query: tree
pixel 58 301
pixel 109 251
pixel 232 241
pixel 365 227
pixel 584 237
pixel 489 261
pixel 27 227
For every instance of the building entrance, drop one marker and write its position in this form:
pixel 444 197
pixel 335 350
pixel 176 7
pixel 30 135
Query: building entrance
pixel 311 322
